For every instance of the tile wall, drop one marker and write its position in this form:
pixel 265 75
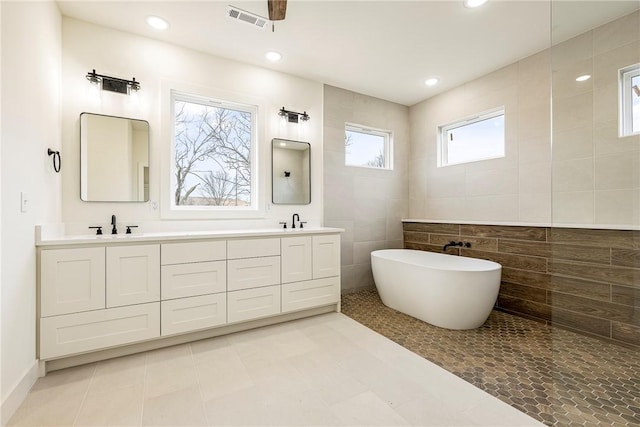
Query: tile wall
pixel 368 203
pixel 586 280
pixel 596 173
pixel 567 167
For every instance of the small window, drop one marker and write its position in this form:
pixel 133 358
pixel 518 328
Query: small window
pixel 213 157
pixel 630 100
pixel 367 147
pixel 480 137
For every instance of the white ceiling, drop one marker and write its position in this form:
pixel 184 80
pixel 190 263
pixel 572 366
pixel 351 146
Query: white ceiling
pixel 384 49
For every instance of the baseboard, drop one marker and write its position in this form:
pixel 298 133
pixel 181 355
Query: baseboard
pixel 18 394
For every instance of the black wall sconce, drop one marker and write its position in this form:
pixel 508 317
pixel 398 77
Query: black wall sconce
pixel 287 174
pixel 113 84
pixel 293 116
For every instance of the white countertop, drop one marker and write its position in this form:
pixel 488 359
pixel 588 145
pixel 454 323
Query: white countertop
pixel 173 236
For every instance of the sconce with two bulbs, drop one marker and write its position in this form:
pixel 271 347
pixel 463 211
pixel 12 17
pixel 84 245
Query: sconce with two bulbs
pixel 293 116
pixel 113 84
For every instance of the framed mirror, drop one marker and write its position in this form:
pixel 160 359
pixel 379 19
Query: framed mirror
pixel 291 172
pixel 114 159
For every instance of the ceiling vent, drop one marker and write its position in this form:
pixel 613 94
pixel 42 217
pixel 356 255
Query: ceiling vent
pixel 248 17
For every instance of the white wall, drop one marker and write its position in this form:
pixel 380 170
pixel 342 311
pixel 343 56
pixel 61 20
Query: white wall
pixel 30 118
pixel 160 67
pixel 516 188
pixel 368 203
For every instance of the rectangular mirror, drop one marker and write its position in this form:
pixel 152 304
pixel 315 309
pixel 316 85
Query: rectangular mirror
pixel 114 159
pixel 291 169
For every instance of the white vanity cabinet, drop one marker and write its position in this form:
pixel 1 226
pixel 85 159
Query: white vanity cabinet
pixel 194 286
pixel 253 282
pixel 97 297
pixel 312 266
pixel 105 297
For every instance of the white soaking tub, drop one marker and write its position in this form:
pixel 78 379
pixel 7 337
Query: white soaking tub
pixel 448 291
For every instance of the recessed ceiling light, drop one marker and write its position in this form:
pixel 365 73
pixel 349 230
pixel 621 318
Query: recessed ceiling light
pixel 583 78
pixel 431 81
pixel 474 3
pixel 273 56
pixel 157 22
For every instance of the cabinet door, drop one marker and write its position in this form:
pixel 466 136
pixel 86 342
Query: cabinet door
pixel 71 280
pixel 190 314
pixel 133 274
pixel 253 273
pixel 326 256
pixel 296 259
pixel 80 332
pixel 189 280
pixel 253 303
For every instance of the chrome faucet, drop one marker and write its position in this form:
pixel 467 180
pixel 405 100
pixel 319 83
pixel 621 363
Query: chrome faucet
pixel 114 230
pixel 293 220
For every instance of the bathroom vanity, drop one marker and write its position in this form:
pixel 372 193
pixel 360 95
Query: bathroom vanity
pixel 105 296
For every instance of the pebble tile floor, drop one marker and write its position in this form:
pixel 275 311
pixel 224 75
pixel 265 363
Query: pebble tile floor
pixel 553 375
pixel 326 370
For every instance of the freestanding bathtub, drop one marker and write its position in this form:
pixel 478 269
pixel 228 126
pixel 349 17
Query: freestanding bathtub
pixel 449 291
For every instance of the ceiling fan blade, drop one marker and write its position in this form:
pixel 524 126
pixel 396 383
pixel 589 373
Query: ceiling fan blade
pixel 277 9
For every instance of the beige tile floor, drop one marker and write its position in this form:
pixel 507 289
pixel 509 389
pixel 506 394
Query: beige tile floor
pixel 323 371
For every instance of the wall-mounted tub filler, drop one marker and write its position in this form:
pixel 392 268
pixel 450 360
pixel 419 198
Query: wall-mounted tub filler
pixel 454 243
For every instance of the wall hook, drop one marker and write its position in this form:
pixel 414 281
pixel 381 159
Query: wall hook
pixel 56 163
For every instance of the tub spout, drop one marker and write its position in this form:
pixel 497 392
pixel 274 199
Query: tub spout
pixel 451 244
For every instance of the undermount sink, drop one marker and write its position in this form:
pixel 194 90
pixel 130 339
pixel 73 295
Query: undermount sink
pixel 118 236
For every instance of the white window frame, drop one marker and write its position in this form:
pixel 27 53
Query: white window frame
pixel 388 144
pixel 625 109
pixel 443 143
pixel 214 212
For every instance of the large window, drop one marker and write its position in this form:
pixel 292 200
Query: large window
pixel 213 164
pixel 476 138
pixel 630 100
pixel 367 147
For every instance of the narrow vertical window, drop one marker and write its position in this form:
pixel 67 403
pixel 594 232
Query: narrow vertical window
pixel 629 94
pixel 480 137
pixel 367 147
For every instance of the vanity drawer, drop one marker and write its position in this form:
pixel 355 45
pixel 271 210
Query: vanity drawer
pixel 252 273
pixel 311 293
pixel 188 280
pixel 190 314
pixel 182 253
pixel 250 248
pixel 253 303
pixel 93 330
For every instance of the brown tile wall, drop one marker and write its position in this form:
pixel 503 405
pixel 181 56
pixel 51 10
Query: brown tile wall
pixel 582 279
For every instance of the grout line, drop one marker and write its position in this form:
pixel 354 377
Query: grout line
pixel 144 385
pixel 86 393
